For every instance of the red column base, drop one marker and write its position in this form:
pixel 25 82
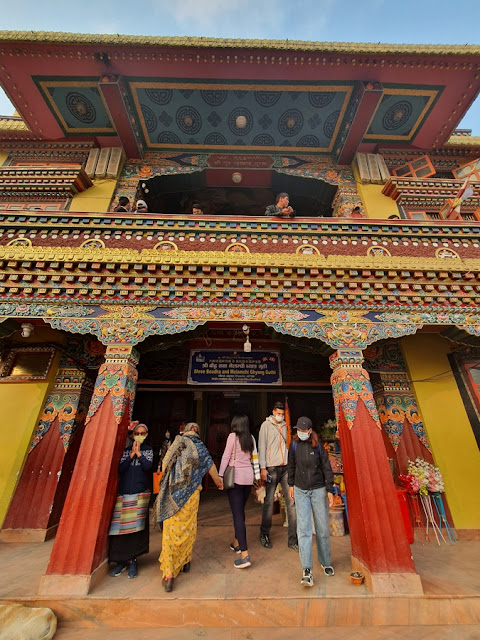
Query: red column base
pixel 75 585
pixel 394 583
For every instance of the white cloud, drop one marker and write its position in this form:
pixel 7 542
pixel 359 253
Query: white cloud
pixel 245 18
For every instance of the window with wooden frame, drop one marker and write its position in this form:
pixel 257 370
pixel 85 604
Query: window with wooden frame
pixel 418 215
pixel 35 206
pixel 419 168
pixel 27 363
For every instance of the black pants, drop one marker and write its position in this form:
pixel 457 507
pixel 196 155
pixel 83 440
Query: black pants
pixel 279 475
pixel 238 497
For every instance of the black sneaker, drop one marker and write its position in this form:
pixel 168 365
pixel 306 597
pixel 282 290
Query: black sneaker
pixel 328 571
pixel 265 541
pixel 307 578
pixel 132 569
pixel 235 548
pixel 293 546
pixel 118 568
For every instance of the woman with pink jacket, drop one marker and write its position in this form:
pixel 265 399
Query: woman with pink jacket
pixel 241 453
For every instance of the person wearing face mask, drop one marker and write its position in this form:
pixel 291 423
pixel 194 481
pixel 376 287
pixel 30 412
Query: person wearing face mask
pixel 310 480
pixel 129 529
pixel 272 457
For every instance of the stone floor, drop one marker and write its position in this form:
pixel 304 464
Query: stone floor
pixel 267 595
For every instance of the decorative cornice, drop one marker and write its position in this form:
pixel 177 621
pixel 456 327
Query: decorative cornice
pixel 202 258
pixel 428 192
pixel 38 181
pixel 13 124
pixel 463 141
pixel 52 37
pixel 116 276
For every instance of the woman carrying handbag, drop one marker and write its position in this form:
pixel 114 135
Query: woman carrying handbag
pixel 240 458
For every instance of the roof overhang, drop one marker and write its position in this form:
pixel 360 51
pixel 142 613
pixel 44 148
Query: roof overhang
pixel 202 94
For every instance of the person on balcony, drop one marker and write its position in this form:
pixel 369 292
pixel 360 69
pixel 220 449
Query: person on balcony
pixel 141 207
pixel 123 205
pixel 129 529
pixel 184 466
pixel 281 208
pixel 197 209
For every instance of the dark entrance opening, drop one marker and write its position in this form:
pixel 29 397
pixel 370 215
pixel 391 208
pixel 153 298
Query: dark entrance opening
pixel 218 195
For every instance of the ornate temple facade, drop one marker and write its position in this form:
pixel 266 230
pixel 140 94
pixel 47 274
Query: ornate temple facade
pixel 368 298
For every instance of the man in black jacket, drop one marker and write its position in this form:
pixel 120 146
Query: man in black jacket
pixel 281 208
pixel 310 481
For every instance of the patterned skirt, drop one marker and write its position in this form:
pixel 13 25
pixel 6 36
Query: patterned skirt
pixel 179 534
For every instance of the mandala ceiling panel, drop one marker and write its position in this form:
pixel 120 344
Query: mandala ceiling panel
pixel 204 114
pixel 77 105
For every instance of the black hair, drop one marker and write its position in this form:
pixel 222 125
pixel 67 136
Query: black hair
pixel 283 194
pixel 197 206
pixel 123 201
pixel 241 427
pixel 279 405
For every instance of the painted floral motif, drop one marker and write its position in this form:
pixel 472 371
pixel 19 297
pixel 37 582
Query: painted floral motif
pixel 394 410
pixel 117 381
pixel 349 386
pixel 63 407
pixel 237 313
pixel 433 317
pixel 474 330
pixel 123 330
pixel 14 309
pixel 344 333
pixel 385 357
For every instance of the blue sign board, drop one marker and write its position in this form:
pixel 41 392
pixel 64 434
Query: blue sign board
pixel 212 366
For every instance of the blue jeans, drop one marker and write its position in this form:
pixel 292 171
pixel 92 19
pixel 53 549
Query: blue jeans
pixel 308 502
pixel 279 475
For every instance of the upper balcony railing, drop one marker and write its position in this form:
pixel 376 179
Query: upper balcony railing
pixel 324 236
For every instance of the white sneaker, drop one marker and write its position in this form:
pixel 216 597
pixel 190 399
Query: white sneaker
pixel 307 578
pixel 328 571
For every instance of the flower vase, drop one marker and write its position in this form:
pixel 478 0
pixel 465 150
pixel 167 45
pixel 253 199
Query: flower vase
pixel 417 518
pixel 442 517
pixel 430 516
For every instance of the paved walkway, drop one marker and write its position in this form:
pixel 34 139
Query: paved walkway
pixel 215 600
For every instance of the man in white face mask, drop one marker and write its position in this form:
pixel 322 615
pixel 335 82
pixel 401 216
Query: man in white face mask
pixel 273 458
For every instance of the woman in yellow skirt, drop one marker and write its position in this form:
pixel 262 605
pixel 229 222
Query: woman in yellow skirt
pixel 186 463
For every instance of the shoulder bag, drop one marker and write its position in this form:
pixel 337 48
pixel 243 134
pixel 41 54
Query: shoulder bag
pixel 229 474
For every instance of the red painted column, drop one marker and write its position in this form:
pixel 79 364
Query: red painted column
pixel 35 509
pixel 380 548
pixel 78 556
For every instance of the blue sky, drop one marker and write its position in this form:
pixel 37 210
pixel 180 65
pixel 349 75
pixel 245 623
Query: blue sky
pixel 408 21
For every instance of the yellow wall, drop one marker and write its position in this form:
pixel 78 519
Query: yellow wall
pixel 451 437
pixel 22 404
pixel 376 204
pixel 97 198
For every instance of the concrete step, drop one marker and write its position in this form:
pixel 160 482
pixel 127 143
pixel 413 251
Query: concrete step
pixel 435 632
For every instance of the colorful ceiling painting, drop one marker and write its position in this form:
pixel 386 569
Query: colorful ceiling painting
pixel 401 112
pixel 77 105
pixel 233 115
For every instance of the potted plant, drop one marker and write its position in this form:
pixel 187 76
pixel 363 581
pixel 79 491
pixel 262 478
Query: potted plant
pixel 356 577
